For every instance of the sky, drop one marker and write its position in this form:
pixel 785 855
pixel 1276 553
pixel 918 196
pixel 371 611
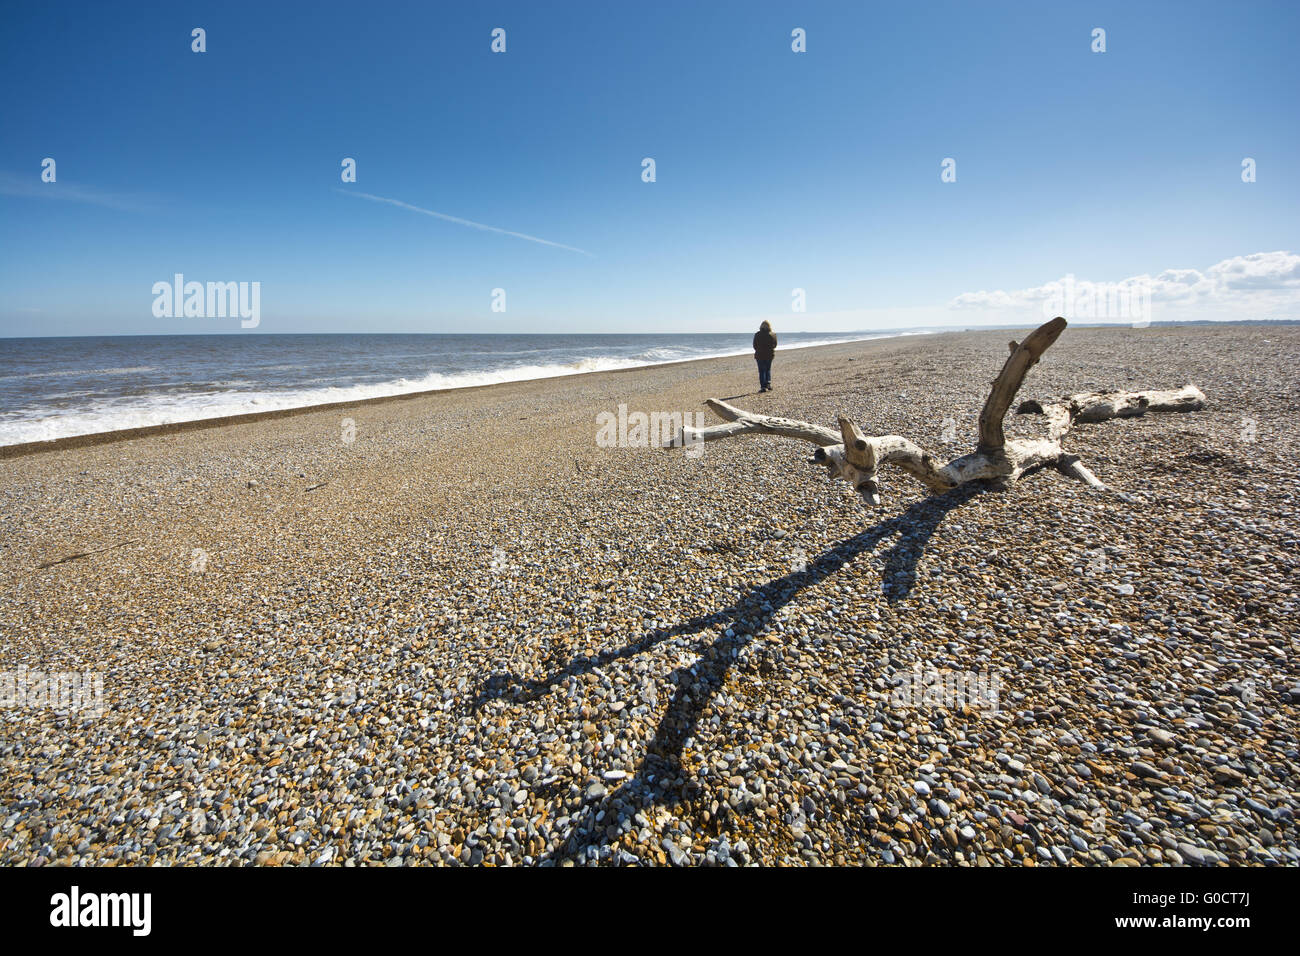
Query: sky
pixel 774 170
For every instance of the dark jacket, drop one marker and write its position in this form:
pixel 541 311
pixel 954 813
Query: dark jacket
pixel 764 345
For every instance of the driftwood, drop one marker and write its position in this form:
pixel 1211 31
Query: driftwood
pixel 856 457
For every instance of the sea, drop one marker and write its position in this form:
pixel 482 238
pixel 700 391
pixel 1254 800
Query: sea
pixel 58 387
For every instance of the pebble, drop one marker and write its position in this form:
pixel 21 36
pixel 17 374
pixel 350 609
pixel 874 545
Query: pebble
pixel 635 673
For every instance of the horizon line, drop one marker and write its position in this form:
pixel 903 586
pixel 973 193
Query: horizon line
pixel 902 328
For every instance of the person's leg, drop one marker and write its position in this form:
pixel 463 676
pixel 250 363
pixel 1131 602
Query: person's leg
pixel 765 374
pixel 760 373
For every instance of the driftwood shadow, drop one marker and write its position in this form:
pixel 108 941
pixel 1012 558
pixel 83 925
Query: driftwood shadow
pixel 698 682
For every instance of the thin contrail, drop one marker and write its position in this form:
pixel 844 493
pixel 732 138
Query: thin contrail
pixel 463 222
pixel 11 185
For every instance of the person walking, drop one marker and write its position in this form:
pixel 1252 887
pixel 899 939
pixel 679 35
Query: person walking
pixel 764 351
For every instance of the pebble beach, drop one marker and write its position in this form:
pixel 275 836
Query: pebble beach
pixel 453 629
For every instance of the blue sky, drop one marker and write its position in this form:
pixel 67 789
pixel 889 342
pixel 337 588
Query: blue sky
pixel 775 170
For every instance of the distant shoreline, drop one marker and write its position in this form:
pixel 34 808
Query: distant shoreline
pixel 18 449
pixel 868 333
pixel 112 436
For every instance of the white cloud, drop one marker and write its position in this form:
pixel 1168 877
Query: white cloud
pixel 1260 270
pixel 1262 285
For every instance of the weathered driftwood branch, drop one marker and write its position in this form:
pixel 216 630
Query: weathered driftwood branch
pixel 1023 357
pixel 1100 406
pixel 856 457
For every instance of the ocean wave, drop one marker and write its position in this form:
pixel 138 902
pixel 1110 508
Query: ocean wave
pixel 61 373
